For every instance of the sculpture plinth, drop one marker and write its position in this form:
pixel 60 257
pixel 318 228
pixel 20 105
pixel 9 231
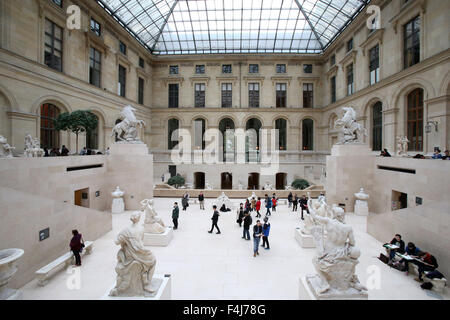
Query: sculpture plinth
pixel 158 239
pixel 8 268
pixel 164 291
pixel 309 288
pixel 155 231
pixel 124 148
pixel 304 240
pixel 118 206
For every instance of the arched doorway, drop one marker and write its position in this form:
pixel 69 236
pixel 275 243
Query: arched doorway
pixel 226 127
pixel 49 136
pixel 199 180
pixel 252 128
pixel 307 134
pixel 92 137
pixel 226 180
pixel 253 181
pixel 377 126
pixel 281 126
pixel 415 120
pixel 280 180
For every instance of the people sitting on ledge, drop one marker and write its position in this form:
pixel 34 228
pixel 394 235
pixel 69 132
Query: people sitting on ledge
pixel 446 155
pixel 397 240
pixel 385 153
pixel 419 156
pixel 437 154
pixel 223 208
pixel 412 251
pixel 428 263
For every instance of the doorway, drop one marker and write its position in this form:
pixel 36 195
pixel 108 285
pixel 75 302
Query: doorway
pixel 280 180
pixel 199 180
pixel 226 180
pixel 253 181
pixel 172 171
pixel 81 198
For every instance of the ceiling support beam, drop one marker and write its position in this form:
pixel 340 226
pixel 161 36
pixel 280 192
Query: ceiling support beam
pixel 310 24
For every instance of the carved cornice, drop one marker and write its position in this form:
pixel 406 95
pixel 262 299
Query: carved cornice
pixel 199 79
pixel 93 40
pixel 21 115
pixel 142 73
pixel 407 8
pixel 172 79
pixel 123 59
pixel 314 79
pixel 351 55
pixel 373 36
pixel 221 79
pixel 281 78
pixel 333 70
pixel 392 110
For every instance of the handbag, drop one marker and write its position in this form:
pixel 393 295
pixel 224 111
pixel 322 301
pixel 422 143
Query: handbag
pixel 383 258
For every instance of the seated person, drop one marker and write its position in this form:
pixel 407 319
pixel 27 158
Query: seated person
pixel 428 263
pixel 446 155
pixel 398 242
pixel 419 156
pixel 224 209
pixel 412 251
pixel 437 154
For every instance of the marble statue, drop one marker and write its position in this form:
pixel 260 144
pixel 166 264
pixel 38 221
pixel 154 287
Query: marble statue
pixel 126 130
pixel 321 198
pixel 268 186
pixel 320 208
pixel 240 186
pixel 32 147
pixel 336 258
pixel 402 146
pixel 361 206
pixel 208 186
pixel 118 206
pixel 152 223
pixel 135 263
pixel 8 268
pixel 253 196
pixel 352 131
pixel 5 149
pixel 223 199
pixel 287 187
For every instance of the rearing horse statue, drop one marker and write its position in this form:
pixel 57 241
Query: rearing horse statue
pixel 126 129
pixel 352 130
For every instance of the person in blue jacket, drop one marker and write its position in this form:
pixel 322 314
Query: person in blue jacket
pixel 410 250
pixel 268 205
pixel 266 231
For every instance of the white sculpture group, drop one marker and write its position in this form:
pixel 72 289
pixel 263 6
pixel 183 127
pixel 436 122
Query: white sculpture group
pixel 153 223
pixel 352 131
pixel 268 186
pixel 402 146
pixel 5 149
pixel 223 199
pixel 32 147
pixel 126 130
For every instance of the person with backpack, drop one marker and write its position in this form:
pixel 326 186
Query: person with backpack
pixel 240 214
pixel 201 201
pixel 258 207
pixel 304 205
pixel 266 231
pixel 247 224
pixel 295 203
pixel 268 205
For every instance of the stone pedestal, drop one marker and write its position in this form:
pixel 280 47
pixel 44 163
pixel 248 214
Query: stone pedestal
pixel 158 239
pixel 118 205
pixel 8 268
pixel 361 208
pixel 305 240
pixel 124 148
pixel 309 285
pixel 164 291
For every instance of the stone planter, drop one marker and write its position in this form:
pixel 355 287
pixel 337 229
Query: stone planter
pixel 8 267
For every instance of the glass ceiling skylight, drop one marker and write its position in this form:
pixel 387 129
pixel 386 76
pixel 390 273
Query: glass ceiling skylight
pixel 234 26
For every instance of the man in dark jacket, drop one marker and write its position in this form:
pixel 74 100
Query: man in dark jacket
pixel 266 231
pixel 304 205
pixel 428 263
pixel 240 214
pixel 257 234
pixel 175 214
pixel 76 245
pixel 295 203
pixel 290 196
pixel 214 219
pixel 398 242
pixel 268 205
pixel 201 200
pixel 185 201
pixel 64 151
pixel 247 224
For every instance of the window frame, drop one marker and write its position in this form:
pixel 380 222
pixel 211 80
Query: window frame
pixel 415 35
pixel 281 95
pixel 51 46
pixel 174 95
pixel 141 90
pixel 308 95
pixel 200 95
pixel 96 28
pixel 280 68
pixel 95 66
pixel 227 68
pixel 226 95
pixel 122 76
pixel 253 95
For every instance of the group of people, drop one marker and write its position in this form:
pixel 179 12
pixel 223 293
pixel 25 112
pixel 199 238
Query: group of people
pixel 294 201
pixel 436 154
pixel 424 260
pixel 55 152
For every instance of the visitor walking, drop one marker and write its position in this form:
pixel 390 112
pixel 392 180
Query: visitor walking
pixel 248 206
pixel 258 207
pixel 247 224
pixel 266 231
pixel 201 200
pixel 185 201
pixel 215 219
pixel 304 205
pixel 290 199
pixel 253 203
pixel 274 204
pixel 175 215
pixel 295 203
pixel 268 205
pixel 257 233
pixel 76 246
pixel 240 214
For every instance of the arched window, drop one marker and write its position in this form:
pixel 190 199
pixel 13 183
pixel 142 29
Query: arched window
pixel 377 126
pixel 307 134
pixel 92 137
pixel 172 125
pixel 281 126
pixel 49 136
pixel 252 128
pixel 415 120
pixel 226 127
pixel 199 133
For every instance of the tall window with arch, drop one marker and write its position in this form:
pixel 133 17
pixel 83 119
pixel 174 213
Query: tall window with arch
pixel 415 120
pixel 226 127
pixel 172 134
pixel 281 127
pixel 92 137
pixel 307 134
pixel 199 134
pixel 49 136
pixel 377 126
pixel 252 128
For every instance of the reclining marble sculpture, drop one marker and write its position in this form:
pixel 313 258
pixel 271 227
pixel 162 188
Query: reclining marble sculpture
pixel 336 258
pixel 126 130
pixel 152 223
pixel 135 263
pixel 6 149
pixel 352 132
pixel 32 147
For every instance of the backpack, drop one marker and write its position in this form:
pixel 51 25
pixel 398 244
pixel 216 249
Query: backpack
pixel 426 285
pixel 383 258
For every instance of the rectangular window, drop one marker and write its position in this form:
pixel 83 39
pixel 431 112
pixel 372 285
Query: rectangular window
pixel 281 68
pixel 173 69
pixel 95 27
pixel 141 91
pixel 333 60
pixel 227 98
pixel 253 68
pixel 141 63
pixel 253 95
pixel 308 95
pixel 333 89
pixel 122 47
pixel 122 80
pixel 281 95
pixel 350 45
pixel 350 83
pixel 200 69
pixel 307 68
pixel 411 35
pixel 95 64
pixel 199 95
pixel 374 64
pixel 226 68
pixel 53 45
pixel 173 95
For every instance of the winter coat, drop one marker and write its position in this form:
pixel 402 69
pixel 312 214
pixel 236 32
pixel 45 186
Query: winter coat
pixel 175 212
pixel 258 205
pixel 266 229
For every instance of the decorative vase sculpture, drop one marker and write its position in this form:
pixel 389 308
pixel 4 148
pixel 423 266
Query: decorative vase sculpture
pixel 135 264
pixel 32 147
pixel 126 130
pixel 361 207
pixel 8 268
pixel 153 223
pixel 351 131
pixel 5 149
pixel 118 205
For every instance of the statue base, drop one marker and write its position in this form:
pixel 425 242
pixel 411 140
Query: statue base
pixel 309 287
pixel 361 208
pixel 128 148
pixel 158 239
pixel 164 291
pixel 305 240
pixel 117 205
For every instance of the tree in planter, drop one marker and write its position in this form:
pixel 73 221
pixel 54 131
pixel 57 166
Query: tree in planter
pixel 300 184
pixel 76 122
pixel 176 181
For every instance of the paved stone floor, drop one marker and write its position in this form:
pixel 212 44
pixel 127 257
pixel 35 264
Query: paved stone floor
pixel 212 266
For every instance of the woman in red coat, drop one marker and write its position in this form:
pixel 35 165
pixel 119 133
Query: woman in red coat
pixel 258 207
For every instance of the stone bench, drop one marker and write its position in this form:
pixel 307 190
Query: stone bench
pixel 65 260
pixel 438 284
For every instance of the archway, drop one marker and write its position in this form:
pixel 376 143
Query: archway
pixel 49 136
pixel 280 180
pixel 253 181
pixel 252 128
pixel 226 180
pixel 199 180
pixel 226 128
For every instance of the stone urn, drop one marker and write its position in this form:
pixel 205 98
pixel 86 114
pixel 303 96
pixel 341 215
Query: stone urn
pixel 361 195
pixel 8 268
pixel 361 206
pixel 118 206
